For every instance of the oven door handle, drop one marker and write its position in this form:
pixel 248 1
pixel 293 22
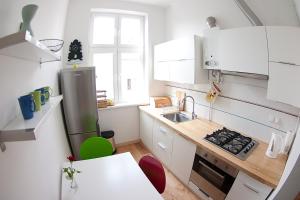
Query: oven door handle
pixel 210 169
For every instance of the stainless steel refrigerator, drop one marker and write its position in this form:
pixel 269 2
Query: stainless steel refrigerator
pixel 78 87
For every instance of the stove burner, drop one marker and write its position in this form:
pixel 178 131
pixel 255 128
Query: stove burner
pixel 232 141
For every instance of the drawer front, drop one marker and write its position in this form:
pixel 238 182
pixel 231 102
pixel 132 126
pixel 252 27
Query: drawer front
pixel 162 142
pixel 164 135
pixel 249 188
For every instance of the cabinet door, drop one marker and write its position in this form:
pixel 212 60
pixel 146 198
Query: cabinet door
pixel 146 127
pixel 162 71
pixel 183 154
pixel 162 142
pixel 283 84
pixel 243 50
pixel 182 71
pixel 247 188
pixel 284 44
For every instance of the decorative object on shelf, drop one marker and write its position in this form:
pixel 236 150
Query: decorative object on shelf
pixel 28 13
pixel 37 100
pixel 75 52
pixel 55 45
pixel 70 172
pixel 27 106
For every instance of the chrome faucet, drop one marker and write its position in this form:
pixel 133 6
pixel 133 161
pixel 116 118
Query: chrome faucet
pixel 194 116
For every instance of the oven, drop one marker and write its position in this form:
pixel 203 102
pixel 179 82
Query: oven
pixel 211 176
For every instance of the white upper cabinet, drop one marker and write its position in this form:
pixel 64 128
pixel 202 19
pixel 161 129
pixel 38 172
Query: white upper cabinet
pixel 238 50
pixel 284 66
pixel 180 61
pixel 283 85
pixel 284 44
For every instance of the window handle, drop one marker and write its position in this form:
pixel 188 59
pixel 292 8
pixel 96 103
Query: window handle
pixel 129 84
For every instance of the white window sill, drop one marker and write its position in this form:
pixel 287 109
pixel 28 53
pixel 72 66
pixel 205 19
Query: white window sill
pixel 122 105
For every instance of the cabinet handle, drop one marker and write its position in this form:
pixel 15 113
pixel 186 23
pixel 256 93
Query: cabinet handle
pixel 253 189
pixel 162 130
pixel 286 63
pixel 162 146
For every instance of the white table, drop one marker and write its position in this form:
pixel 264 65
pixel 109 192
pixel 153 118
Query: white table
pixel 116 177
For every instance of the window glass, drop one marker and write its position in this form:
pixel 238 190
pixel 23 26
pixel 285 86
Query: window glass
pixel 131 31
pixel 131 76
pixel 104 63
pixel 104 30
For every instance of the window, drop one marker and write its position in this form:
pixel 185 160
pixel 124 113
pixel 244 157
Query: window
pixel 117 52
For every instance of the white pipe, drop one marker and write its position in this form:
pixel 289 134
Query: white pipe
pixel 254 20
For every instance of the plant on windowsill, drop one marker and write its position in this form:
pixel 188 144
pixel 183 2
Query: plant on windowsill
pixel 70 171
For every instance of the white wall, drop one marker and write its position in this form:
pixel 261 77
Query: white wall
pixel 31 169
pixel 244 106
pixel 124 121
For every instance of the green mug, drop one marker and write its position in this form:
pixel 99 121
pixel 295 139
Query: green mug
pixel 37 100
pixel 48 92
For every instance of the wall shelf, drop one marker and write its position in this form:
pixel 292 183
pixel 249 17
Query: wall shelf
pixel 22 130
pixel 23 46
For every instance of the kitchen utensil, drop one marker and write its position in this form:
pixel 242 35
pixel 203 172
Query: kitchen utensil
pixel 288 140
pixel 180 96
pixel 37 100
pixel 159 102
pixel 48 92
pixel 275 146
pixel 43 95
pixel 27 106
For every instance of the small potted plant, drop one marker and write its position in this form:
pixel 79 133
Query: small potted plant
pixel 70 171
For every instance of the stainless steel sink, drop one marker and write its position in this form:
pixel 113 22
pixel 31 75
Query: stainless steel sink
pixel 177 117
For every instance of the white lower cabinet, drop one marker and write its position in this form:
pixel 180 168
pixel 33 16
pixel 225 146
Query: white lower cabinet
pixel 247 188
pixel 146 129
pixel 162 142
pixel 182 158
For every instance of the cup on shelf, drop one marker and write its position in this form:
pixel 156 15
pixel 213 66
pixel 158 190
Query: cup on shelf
pixel 37 100
pixel 27 106
pixel 43 95
pixel 48 92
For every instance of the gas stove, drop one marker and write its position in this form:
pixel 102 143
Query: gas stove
pixel 233 142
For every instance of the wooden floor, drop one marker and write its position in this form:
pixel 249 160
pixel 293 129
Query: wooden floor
pixel 175 190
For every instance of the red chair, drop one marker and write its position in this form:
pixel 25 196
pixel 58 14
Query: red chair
pixel 154 171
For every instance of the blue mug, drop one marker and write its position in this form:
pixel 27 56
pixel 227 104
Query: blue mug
pixel 27 106
pixel 43 95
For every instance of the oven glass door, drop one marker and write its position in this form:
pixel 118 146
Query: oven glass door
pixel 213 174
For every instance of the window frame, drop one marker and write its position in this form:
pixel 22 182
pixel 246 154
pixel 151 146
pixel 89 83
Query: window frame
pixel 117 48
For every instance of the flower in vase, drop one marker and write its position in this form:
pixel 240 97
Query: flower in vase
pixel 70 171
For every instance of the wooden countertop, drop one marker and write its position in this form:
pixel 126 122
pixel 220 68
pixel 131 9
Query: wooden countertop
pixel 257 165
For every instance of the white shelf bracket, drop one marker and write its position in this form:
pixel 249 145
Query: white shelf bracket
pixel 47 61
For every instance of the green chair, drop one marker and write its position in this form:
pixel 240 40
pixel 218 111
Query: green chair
pixel 95 147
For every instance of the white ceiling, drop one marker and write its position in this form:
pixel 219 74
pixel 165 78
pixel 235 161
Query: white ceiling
pixel 153 2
